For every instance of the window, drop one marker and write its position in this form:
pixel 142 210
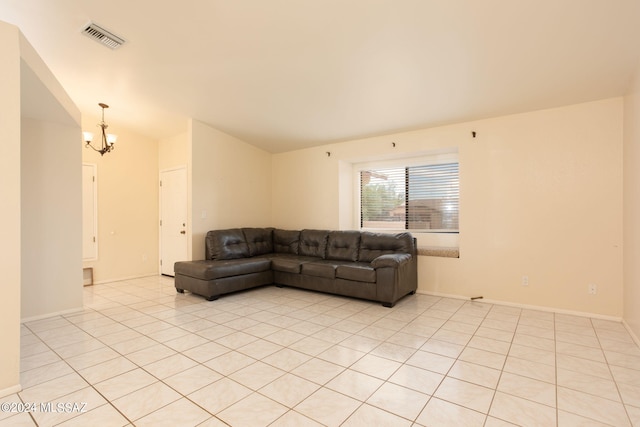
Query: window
pixel 423 197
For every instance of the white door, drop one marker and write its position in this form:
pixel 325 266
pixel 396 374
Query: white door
pixel 173 219
pixel 89 212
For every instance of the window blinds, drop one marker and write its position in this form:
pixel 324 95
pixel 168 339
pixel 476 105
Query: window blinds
pixel 412 198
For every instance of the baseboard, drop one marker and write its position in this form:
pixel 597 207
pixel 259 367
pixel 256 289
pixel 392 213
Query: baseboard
pixel 10 390
pixel 634 337
pixel 528 306
pixel 80 309
pixel 57 313
pixel 122 279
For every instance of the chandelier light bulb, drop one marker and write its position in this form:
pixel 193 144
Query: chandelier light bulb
pixel 87 136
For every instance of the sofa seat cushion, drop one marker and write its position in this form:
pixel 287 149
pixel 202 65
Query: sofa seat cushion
pixel 289 264
pixel 325 269
pixel 210 269
pixel 361 272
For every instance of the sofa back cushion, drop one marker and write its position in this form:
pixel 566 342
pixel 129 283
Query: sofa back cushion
pixel 343 245
pixel 226 244
pixel 286 241
pixel 259 240
pixel 372 245
pixel 313 243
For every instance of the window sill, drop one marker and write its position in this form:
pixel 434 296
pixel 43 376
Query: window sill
pixel 439 251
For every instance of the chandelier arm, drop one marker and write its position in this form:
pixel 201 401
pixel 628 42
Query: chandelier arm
pixel 104 136
pixel 106 146
pixel 88 145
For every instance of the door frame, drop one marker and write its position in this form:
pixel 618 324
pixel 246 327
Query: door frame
pixel 94 166
pixel 188 222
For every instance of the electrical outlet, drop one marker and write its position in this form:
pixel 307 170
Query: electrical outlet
pixel 525 280
pixel 593 289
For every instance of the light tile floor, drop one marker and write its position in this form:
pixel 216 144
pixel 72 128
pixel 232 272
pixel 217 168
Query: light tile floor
pixel 141 354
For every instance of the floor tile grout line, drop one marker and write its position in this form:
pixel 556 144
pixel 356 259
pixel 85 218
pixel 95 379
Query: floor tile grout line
pixel 558 386
pixel 161 380
pixel 123 355
pixel 329 380
pixel 622 402
pixel 85 380
pixel 506 356
pixel 332 344
pixel 364 402
pixel 445 375
pixel 158 380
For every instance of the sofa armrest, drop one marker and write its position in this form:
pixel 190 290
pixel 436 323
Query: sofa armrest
pixel 391 260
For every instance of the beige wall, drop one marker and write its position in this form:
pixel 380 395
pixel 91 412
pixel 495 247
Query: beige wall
pixel 10 243
pixel 632 207
pixel 127 204
pixel 305 189
pixel 39 171
pixel 541 195
pixel 51 219
pixel 230 184
pixel 173 152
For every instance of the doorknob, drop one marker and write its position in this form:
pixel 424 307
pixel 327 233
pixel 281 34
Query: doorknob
pixel 183 232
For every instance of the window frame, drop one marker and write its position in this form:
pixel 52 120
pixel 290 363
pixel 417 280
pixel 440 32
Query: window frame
pixel 404 162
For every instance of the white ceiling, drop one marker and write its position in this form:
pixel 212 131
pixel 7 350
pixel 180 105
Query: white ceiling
pixel 288 74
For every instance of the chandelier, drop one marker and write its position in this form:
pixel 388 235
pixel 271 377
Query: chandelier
pixel 108 139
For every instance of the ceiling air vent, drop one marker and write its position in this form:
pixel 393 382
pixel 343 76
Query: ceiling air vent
pixel 103 36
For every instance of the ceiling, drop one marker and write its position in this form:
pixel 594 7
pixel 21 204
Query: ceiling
pixel 283 74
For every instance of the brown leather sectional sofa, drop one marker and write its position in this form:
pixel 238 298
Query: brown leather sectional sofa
pixel 372 266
